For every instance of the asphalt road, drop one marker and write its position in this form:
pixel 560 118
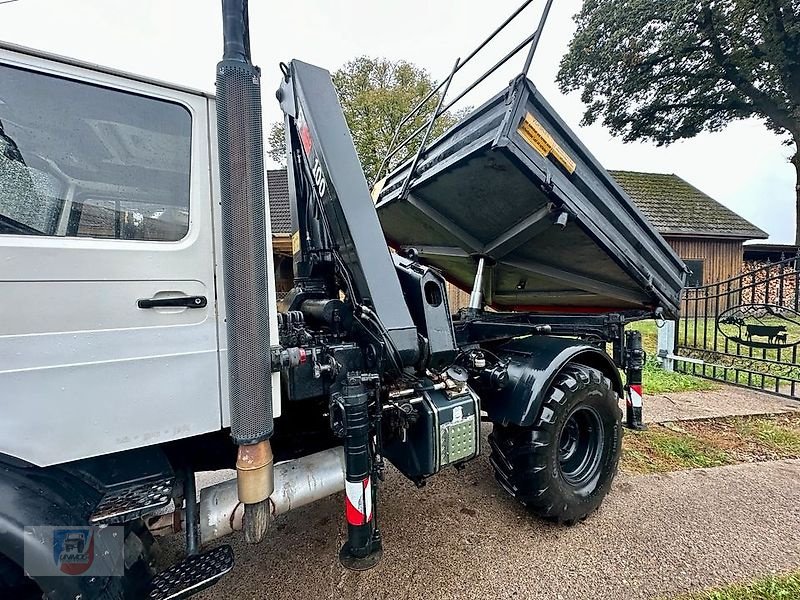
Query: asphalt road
pixel 461 537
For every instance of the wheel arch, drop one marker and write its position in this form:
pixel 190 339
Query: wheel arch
pixel 534 364
pixel 602 362
pixel 45 497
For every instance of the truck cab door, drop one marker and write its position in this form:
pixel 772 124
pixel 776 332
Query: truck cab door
pixel 108 322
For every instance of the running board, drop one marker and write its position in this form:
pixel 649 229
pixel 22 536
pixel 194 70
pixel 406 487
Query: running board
pixel 193 574
pixel 128 503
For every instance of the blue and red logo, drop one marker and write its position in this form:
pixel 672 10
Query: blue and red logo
pixel 73 549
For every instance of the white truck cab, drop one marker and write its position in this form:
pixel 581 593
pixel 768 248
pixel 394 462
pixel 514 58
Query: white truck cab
pixel 112 332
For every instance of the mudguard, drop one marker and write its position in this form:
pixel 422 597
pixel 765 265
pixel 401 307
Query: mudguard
pixel 533 364
pixel 35 496
pixel 68 495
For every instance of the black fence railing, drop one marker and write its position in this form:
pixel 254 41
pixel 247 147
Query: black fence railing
pixel 746 330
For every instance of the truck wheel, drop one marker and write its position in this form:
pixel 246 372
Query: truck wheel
pixel 562 466
pixel 14 583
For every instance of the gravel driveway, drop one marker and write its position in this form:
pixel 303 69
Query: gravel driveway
pixel 461 537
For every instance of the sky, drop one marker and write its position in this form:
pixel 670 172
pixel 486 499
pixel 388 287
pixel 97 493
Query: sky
pixel 746 167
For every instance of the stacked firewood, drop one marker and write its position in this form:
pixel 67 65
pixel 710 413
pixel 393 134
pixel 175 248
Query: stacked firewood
pixel 770 283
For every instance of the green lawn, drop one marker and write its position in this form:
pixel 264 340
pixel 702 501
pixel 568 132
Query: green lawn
pixel 774 587
pixel 711 443
pixel 769 368
pixel 654 379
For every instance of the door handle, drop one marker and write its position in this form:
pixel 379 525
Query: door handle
pixel 180 301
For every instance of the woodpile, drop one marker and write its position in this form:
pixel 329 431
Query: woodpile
pixel 775 284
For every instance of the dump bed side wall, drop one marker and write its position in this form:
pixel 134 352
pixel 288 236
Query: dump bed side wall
pixel 478 164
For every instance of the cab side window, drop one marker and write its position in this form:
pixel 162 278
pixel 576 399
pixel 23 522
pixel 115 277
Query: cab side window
pixel 81 160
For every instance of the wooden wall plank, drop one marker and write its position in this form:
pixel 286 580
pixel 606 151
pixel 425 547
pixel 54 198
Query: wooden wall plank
pixel 722 257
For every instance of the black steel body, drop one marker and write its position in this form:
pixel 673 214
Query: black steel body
pixel 333 202
pixel 425 294
pixel 417 453
pixel 568 236
pixel 487 327
pixel 532 364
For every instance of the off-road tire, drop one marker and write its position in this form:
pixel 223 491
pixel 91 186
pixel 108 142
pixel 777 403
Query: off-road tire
pixel 531 462
pixel 14 583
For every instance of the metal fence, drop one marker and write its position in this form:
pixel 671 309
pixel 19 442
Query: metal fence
pixel 746 330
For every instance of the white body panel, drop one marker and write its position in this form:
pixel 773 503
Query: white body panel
pixel 83 370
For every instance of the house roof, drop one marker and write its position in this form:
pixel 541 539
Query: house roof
pixel 771 252
pixel 278 192
pixel 675 207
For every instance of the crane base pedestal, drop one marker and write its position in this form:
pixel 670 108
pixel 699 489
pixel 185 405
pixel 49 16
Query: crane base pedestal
pixel 355 563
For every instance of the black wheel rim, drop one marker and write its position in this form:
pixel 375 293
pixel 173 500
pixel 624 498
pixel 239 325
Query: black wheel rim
pixel 580 446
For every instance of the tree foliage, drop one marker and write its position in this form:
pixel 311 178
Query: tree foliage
pixel 376 93
pixel 664 70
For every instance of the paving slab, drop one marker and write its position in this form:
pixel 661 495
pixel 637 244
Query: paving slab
pixel 724 401
pixel 462 537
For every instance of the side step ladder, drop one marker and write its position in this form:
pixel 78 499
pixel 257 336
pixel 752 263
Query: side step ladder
pixel 194 573
pixel 129 502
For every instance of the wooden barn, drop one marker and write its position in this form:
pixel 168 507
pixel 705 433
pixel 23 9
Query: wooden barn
pixel 281 221
pixel 708 236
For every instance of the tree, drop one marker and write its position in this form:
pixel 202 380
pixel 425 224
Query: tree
pixel 664 70
pixel 376 94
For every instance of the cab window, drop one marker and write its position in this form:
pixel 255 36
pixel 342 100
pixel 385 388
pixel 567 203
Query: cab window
pixel 80 160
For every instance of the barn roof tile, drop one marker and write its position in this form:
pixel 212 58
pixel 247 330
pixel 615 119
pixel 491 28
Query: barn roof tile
pixel 676 207
pixel 278 191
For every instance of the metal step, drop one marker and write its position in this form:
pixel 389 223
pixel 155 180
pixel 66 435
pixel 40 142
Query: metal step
pixel 192 574
pixel 128 503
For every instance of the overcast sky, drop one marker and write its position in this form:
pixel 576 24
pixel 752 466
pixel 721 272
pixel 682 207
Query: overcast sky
pixel 745 167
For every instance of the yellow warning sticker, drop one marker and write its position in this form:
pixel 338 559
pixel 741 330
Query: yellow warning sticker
pixel 295 242
pixel 540 140
pixel 377 189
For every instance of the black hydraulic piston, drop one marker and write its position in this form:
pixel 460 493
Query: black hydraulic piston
pixel 634 363
pixel 362 550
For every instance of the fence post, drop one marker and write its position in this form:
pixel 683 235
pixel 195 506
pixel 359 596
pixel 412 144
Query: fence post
pixel 666 345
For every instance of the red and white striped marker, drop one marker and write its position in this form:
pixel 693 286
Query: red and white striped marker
pixel 358 501
pixel 635 396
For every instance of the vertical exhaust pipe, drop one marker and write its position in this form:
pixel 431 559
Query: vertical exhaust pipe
pixel 244 228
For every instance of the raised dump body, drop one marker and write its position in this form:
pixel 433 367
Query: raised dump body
pixel 511 182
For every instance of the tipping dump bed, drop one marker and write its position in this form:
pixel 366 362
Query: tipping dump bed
pixel 513 183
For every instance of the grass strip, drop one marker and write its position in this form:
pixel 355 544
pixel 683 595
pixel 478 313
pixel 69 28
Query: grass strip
pixel 711 443
pixel 774 587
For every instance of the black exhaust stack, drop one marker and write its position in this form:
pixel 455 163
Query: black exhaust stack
pixel 245 261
